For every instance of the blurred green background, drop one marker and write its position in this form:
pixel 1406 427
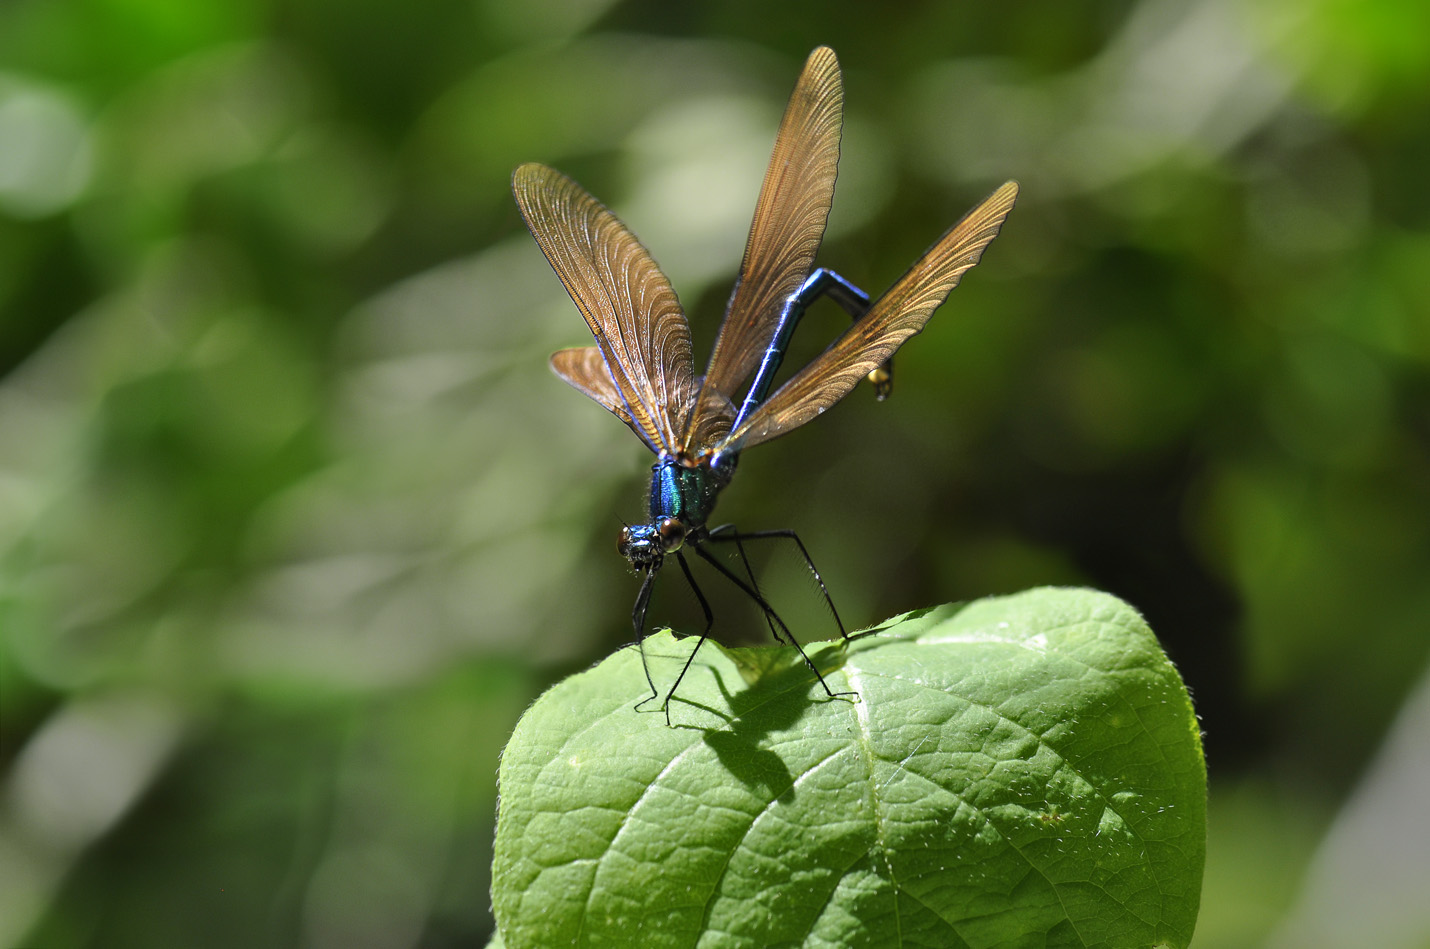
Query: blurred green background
pixel 294 520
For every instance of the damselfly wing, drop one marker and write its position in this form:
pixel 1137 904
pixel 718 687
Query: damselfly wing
pixel 641 368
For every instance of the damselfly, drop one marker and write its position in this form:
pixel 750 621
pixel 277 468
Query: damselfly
pixel 642 370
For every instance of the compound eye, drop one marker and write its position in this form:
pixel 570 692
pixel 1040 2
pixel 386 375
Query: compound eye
pixel 624 540
pixel 672 534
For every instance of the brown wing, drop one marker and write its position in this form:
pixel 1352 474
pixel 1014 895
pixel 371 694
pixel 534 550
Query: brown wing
pixel 784 237
pixel 894 317
pixel 584 369
pixel 628 303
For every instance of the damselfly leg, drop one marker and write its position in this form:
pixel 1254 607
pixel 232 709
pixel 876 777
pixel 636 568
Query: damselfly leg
pixel 726 533
pixel 728 529
pixel 638 621
pixel 704 634
pixel 753 594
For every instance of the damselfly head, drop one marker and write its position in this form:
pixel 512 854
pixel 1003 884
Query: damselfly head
pixel 643 545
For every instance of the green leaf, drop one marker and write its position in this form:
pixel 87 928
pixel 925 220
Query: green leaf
pixel 1022 771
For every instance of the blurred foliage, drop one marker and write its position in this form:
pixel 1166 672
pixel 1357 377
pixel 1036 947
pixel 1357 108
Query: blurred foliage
pixel 294 521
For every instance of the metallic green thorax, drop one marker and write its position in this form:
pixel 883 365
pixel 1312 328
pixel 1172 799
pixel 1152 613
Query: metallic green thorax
pixel 687 494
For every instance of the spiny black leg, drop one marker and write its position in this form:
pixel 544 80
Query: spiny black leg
pixel 721 534
pixel 704 634
pixel 740 549
pixel 728 532
pixel 638 620
pixel 769 610
pixel 752 591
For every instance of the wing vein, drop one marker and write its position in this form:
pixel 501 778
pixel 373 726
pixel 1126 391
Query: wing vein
pixel 784 237
pixel 632 310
